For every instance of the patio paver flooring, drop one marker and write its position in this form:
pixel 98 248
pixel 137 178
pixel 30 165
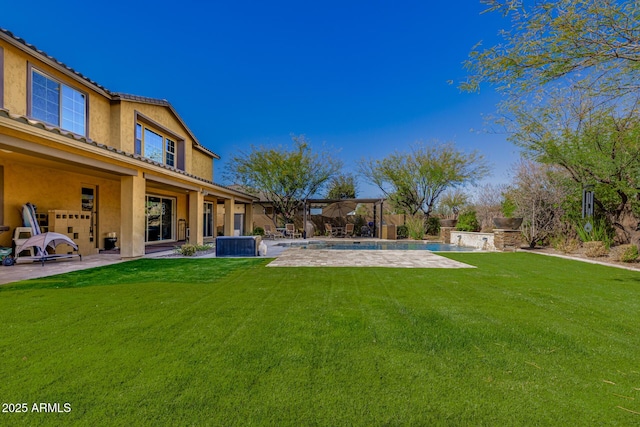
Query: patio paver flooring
pixel 298 257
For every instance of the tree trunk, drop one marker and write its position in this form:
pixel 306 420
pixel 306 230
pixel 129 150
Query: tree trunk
pixel 626 225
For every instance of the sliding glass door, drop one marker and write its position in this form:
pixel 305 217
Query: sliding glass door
pixel 160 218
pixel 207 222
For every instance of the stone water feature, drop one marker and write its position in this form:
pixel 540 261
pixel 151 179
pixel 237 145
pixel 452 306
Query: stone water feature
pixel 498 240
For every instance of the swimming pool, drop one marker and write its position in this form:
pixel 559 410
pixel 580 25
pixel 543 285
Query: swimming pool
pixel 377 246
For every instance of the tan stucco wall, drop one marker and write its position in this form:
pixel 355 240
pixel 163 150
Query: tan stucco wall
pixel 115 128
pixel 15 80
pixel 51 189
pixel 202 165
pixel 100 120
pixel 125 130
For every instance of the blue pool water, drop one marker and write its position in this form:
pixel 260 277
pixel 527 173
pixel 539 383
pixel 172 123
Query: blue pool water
pixel 397 246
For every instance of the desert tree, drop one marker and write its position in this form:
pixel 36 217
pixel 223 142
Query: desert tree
pixel 486 200
pixel 451 202
pixel 342 186
pixel 414 180
pixel 539 192
pixel 283 177
pixel 585 43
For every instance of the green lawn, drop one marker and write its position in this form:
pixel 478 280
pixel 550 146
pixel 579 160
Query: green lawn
pixel 521 340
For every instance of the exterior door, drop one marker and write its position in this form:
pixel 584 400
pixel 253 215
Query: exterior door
pixel 160 215
pixel 90 207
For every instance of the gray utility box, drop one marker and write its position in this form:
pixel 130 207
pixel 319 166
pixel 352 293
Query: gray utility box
pixel 240 246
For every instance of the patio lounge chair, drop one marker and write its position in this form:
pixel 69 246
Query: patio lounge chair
pixel 270 234
pixel 42 241
pixel 291 231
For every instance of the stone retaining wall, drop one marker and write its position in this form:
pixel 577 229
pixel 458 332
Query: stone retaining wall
pixel 507 240
pixel 499 240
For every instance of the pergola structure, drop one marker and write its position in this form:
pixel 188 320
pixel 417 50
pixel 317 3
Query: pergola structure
pixel 377 219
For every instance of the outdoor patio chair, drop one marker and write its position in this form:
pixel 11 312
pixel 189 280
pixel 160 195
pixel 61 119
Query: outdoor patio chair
pixel 330 230
pixel 270 234
pixel 348 230
pixel 291 231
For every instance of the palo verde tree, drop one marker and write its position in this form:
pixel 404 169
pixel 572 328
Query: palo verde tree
pixel 569 72
pixel 414 181
pixel 283 177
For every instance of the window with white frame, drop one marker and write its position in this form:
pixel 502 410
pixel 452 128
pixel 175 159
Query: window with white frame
pixel 154 145
pixel 56 103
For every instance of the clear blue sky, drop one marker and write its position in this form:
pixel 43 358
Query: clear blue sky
pixel 364 77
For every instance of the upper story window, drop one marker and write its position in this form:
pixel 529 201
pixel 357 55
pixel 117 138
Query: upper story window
pixel 155 146
pixel 56 103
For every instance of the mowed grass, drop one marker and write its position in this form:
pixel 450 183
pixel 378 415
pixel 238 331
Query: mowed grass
pixel 520 340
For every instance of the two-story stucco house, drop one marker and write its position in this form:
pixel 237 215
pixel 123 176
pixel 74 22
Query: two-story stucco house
pixel 105 162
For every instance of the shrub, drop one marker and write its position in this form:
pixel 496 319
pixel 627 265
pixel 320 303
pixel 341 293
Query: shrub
pixel 595 249
pixel 358 223
pixel 467 221
pixel 625 253
pixel 258 231
pixel 565 244
pixel 403 232
pixel 630 254
pixel 415 227
pixel 433 226
pixel 187 249
pixel 601 231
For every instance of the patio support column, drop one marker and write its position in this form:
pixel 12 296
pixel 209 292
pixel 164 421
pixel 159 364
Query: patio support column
pixel 229 211
pixel 248 218
pixel 215 217
pixel 1 195
pixel 196 215
pixel 132 216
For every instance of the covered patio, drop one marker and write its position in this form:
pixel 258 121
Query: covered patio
pixel 339 210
